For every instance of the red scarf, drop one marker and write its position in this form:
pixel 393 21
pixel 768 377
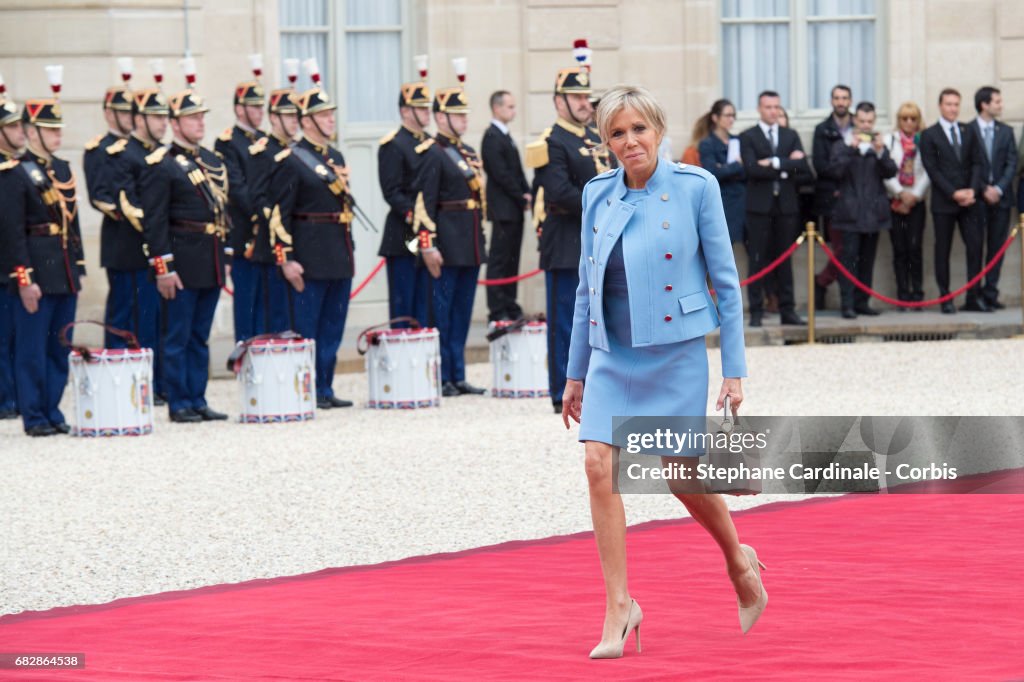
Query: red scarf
pixel 909 152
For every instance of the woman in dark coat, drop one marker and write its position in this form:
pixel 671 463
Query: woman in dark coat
pixel 715 158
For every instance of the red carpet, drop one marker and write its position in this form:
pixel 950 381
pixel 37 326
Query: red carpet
pixel 908 587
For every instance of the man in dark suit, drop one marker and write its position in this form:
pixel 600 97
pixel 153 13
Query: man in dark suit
pixel 838 126
pixel 952 158
pixel 772 157
pixel 999 165
pixel 508 195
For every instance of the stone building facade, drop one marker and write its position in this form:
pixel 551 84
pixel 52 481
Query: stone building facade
pixel 678 48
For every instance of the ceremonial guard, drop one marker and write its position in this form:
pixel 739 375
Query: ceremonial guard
pixel 312 226
pixel 184 193
pixel 97 162
pixel 41 249
pixel 397 161
pixel 564 159
pixel 448 218
pixel 274 298
pixel 233 146
pixel 134 303
pixel 12 146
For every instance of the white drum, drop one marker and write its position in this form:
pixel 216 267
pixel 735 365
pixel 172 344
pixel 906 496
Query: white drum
pixel 113 392
pixel 277 381
pixel 403 367
pixel 520 361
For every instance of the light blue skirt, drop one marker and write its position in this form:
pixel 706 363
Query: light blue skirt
pixel 649 381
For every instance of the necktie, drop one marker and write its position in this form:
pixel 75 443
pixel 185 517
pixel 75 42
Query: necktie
pixel 775 149
pixel 988 150
pixel 954 135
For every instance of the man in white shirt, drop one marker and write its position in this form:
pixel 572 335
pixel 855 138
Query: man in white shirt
pixel 953 159
pixel 508 196
pixel 772 157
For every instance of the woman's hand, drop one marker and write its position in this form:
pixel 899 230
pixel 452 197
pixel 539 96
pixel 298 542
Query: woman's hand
pixel 572 401
pixel 733 388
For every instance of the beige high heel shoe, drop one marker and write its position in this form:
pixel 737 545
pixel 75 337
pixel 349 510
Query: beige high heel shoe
pixel 614 649
pixel 750 614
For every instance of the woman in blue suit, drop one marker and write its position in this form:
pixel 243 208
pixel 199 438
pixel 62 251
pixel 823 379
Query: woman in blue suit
pixel 715 158
pixel 652 231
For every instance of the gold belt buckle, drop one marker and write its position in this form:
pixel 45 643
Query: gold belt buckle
pixel 211 228
pixel 54 229
pixel 345 217
pixel 471 204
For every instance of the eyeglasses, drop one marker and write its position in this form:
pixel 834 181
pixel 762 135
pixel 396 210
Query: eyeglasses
pixel 909 118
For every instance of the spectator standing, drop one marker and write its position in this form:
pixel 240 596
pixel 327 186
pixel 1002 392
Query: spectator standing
pixel 838 126
pixel 508 195
pixel 907 203
pixel 861 207
pixel 772 157
pixel 701 129
pixel 953 161
pixel 720 155
pixel 999 166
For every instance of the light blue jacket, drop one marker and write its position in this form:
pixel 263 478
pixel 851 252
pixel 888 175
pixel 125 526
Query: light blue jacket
pixel 682 238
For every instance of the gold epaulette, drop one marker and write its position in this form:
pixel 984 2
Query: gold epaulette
pixel 537 151
pixel 225 136
pixel 157 156
pixel 387 138
pixel 258 146
pixel 425 145
pixel 282 155
pixel 8 165
pixel 118 146
pixel 93 143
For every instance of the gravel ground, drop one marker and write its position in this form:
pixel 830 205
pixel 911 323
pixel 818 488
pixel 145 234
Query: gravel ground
pixel 91 520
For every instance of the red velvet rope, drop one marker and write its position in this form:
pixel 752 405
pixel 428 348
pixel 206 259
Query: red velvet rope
pixel 532 273
pixel 775 263
pixel 508 280
pixel 373 273
pixel 918 304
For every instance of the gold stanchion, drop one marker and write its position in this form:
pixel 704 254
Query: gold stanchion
pixel 810 280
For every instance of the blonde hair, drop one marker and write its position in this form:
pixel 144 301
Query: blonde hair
pixel 633 97
pixel 911 109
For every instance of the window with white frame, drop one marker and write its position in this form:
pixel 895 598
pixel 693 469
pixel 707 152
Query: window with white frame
pixel 799 48
pixel 305 32
pixel 359 45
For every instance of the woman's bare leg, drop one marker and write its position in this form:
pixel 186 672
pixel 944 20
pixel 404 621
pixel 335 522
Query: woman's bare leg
pixel 609 518
pixel 711 512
